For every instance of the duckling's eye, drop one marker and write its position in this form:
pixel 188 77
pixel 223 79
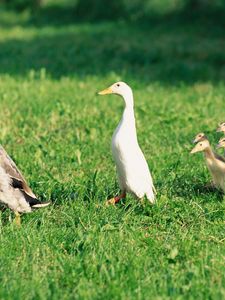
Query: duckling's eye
pixel 118 84
pixel 200 144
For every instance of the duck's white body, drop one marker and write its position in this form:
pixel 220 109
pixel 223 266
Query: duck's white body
pixel 132 169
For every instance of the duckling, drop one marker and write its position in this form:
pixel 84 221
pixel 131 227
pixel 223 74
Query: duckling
pixel 132 169
pixel 221 144
pixel 214 162
pixel 14 190
pixel 199 137
pixel 221 127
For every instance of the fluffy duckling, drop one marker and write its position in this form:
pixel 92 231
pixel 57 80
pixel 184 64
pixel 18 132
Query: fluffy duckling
pixel 221 144
pixel 221 127
pixel 14 190
pixel 214 162
pixel 132 169
pixel 199 137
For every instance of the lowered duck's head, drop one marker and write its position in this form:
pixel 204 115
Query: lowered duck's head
pixel 221 143
pixel 119 88
pixel 201 146
pixel 199 137
pixel 221 127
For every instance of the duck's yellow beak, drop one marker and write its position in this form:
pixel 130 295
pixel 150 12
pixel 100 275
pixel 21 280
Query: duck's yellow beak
pixel 106 91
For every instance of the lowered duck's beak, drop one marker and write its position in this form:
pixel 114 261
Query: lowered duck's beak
pixel 106 91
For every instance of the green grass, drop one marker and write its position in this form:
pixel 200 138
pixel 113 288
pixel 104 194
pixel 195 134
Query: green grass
pixel 58 131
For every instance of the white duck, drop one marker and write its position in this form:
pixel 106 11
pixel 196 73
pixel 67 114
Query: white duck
pixel 14 190
pixel 132 169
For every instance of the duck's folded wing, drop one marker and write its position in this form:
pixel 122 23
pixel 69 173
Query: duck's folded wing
pixel 11 169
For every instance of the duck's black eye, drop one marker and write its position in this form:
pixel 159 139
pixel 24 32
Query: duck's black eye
pixel 118 84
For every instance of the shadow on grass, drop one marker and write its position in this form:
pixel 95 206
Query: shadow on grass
pixel 198 189
pixel 170 49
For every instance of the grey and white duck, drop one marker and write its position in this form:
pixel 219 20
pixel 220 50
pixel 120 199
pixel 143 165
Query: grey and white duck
pixel 15 193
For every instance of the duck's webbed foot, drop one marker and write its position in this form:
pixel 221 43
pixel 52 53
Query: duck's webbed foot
pixel 116 199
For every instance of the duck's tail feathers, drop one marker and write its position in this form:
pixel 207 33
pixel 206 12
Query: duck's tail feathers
pixel 151 197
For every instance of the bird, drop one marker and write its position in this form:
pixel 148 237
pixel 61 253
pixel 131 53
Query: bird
pixel 132 169
pixel 221 144
pixel 221 127
pixel 214 162
pixel 199 137
pixel 15 193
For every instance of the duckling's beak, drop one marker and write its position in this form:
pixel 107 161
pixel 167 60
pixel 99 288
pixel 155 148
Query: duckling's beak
pixel 194 150
pixel 194 141
pixel 218 146
pixel 218 129
pixel 106 91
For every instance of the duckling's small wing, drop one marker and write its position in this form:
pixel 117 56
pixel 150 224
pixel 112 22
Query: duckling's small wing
pixel 11 169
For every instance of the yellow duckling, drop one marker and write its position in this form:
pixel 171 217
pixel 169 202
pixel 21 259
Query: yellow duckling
pixel 221 143
pixel 214 162
pixel 221 127
pixel 199 137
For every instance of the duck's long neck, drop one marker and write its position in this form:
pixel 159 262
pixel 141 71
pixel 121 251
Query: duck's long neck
pixel 128 118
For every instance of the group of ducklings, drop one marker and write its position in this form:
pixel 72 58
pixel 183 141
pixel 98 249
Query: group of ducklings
pixel 214 161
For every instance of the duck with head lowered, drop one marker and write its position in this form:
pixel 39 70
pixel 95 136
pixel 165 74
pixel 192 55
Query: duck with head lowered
pixel 132 169
pixel 15 193
pixel 214 162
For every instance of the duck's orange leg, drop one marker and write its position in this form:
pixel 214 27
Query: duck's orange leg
pixel 116 199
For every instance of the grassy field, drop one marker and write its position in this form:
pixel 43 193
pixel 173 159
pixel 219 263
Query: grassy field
pixel 58 131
